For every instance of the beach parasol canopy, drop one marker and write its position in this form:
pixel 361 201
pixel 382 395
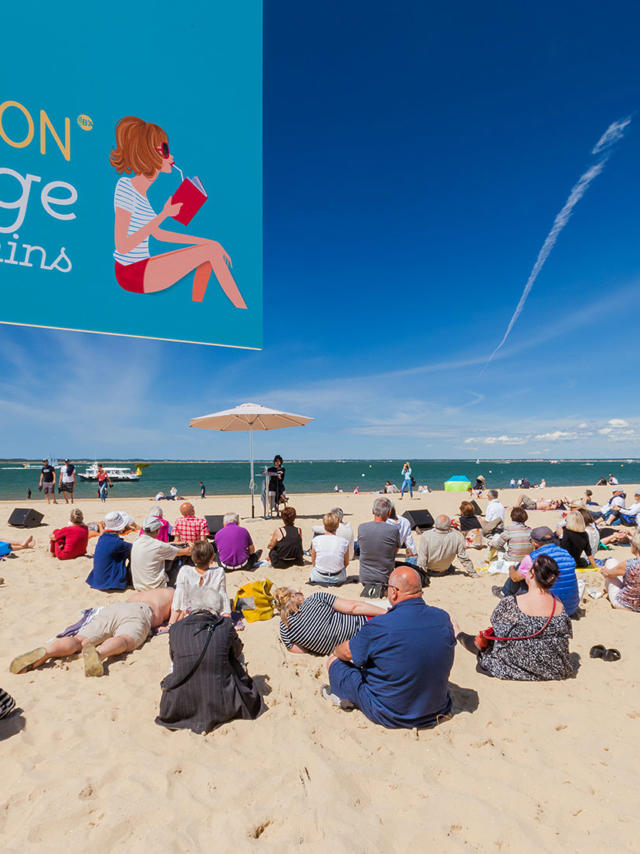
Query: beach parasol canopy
pixel 457 483
pixel 249 417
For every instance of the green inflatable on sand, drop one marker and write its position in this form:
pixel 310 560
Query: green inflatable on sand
pixel 457 483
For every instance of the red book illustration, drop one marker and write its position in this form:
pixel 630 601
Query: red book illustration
pixel 192 195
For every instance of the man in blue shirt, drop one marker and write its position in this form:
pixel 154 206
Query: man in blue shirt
pixel 566 586
pixel 111 557
pixel 396 668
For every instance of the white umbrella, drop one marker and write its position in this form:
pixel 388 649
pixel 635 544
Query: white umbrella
pixel 251 417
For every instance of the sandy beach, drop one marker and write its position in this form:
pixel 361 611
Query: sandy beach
pixel 520 767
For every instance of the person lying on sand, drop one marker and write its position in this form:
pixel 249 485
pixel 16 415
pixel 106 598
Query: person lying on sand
pixel 6 547
pixel 320 622
pixel 112 630
pixel 528 503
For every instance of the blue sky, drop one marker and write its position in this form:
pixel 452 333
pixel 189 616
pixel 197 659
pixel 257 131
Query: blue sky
pixel 414 160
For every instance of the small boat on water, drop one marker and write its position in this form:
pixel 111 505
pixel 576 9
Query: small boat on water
pixel 115 473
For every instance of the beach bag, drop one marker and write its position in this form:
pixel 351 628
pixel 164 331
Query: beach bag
pixel 484 639
pixel 255 600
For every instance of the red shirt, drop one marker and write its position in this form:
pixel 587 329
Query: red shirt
pixel 190 529
pixel 71 542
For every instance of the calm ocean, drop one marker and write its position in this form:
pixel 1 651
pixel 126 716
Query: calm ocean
pixel 323 475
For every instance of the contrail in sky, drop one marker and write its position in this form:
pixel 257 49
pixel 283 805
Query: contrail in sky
pixel 613 133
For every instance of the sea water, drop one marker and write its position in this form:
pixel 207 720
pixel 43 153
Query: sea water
pixel 225 478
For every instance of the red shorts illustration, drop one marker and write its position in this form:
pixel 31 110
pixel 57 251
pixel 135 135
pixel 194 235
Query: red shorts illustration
pixel 131 276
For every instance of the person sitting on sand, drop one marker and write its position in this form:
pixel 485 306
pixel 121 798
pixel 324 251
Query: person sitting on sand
pixel 111 557
pixel 7 704
pixel 235 546
pixel 390 487
pixel 591 530
pixel 406 537
pixel 285 545
pixel 494 514
pixel 627 516
pixel 469 520
pixel 207 684
pixel 70 542
pixel 165 530
pixel 396 668
pixel 318 623
pixel 378 543
pixel 329 554
pixel 440 546
pixel 189 528
pixel 533 631
pixel 150 556
pixel 344 530
pixel 573 537
pixel 515 540
pixel 624 592
pixel 565 587
pixel 615 503
pixel 195 583
pixel 103 632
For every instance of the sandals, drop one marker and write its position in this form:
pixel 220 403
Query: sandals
pixel 25 662
pixel 599 651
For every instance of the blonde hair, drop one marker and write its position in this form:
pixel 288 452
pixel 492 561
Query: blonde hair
pixel 635 541
pixel 287 601
pixel 575 521
pixel 76 517
pixel 137 145
pixel 331 522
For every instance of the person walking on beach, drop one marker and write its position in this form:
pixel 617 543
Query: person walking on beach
pixel 407 480
pixel 104 483
pixel 47 484
pixel 203 490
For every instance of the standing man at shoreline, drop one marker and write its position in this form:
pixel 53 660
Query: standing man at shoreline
pixel 47 482
pixel 68 480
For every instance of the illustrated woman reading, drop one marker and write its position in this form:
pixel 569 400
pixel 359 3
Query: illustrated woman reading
pixel 143 148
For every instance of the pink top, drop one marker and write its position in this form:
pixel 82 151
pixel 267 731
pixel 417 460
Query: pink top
pixel 163 533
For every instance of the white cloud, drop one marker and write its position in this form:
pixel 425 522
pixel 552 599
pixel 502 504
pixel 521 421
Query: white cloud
pixel 618 422
pixel 557 436
pixel 496 440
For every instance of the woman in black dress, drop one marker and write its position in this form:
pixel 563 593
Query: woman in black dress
pixel 285 546
pixel 275 482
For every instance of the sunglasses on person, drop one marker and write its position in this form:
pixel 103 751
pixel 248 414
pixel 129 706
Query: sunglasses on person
pixel 164 149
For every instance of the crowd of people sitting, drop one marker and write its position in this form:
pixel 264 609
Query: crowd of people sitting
pixel 391 658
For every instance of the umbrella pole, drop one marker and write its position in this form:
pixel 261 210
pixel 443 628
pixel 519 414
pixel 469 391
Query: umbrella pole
pixel 251 482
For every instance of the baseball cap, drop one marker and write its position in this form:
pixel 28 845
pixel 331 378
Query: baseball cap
pixel 152 523
pixel 542 534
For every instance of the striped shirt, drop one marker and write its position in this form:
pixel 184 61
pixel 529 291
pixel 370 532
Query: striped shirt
pixel 317 627
pixel 515 539
pixel 129 199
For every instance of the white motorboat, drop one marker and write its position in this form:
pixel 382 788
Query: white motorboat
pixel 115 473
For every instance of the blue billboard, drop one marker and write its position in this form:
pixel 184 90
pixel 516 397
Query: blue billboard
pixel 131 169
